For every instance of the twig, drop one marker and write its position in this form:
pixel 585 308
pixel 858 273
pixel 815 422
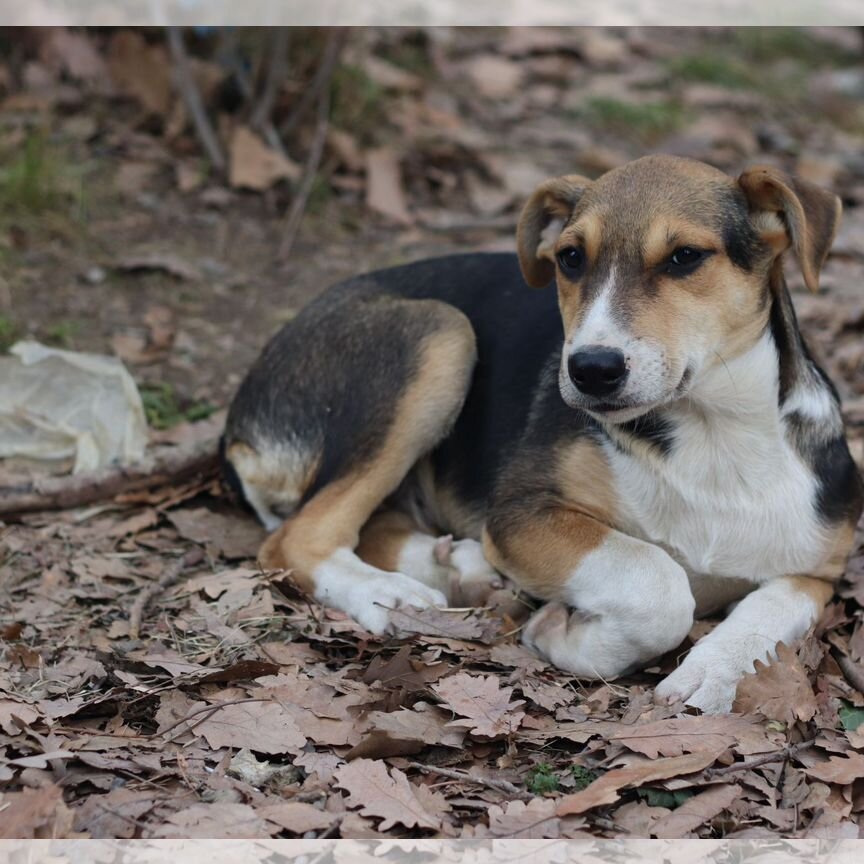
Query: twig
pixel 262 115
pixel 850 671
pixel 780 755
pixel 454 774
pixel 313 160
pixel 169 577
pixel 159 468
pixel 310 96
pixel 192 98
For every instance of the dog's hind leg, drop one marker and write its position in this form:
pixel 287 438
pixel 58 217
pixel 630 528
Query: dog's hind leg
pixel 410 409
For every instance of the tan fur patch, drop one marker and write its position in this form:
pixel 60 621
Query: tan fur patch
pixel 383 537
pixel 546 549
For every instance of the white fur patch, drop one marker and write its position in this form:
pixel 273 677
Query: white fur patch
pixel 709 675
pixel 632 603
pixel 733 498
pixel 366 593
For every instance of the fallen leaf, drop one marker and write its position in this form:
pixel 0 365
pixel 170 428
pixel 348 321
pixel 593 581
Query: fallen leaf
pixel 244 670
pixel 34 814
pixel 678 735
pixel 264 727
pixel 296 817
pixel 389 797
pixel 536 820
pixel 254 165
pixel 217 821
pixel 483 701
pixel 696 811
pixel 450 623
pixel 779 690
pixel 141 70
pixel 384 192
pixel 606 789
pixel 402 671
pixel 839 769
pixel 73 53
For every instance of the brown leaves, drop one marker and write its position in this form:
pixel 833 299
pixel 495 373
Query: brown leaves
pixel 779 690
pixel 678 735
pixel 839 769
pixel 383 795
pixel 264 727
pixel 254 165
pixel 484 703
pixel 606 790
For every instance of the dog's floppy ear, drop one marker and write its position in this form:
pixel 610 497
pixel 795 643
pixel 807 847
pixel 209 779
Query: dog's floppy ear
pixel 541 222
pixel 808 216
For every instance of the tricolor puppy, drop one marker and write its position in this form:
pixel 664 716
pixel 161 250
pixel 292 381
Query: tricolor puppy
pixel 642 438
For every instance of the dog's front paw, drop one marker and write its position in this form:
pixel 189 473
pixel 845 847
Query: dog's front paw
pixel 371 603
pixel 472 577
pixel 705 680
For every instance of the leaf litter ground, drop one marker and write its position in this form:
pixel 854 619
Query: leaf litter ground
pixel 242 709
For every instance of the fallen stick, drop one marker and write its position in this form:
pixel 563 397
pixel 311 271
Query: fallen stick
pixel 168 578
pixel 304 189
pixel 786 753
pixel 463 776
pixel 192 98
pixel 162 467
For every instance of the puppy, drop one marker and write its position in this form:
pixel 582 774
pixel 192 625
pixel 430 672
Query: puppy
pixel 641 439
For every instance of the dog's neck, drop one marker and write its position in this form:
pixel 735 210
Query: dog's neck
pixel 749 401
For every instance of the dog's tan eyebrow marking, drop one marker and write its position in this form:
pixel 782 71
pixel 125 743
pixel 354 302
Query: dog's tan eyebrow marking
pixel 663 237
pixel 584 232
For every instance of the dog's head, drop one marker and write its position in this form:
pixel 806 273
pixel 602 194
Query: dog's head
pixel 663 267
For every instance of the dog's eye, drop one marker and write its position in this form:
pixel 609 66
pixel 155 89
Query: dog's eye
pixel 572 261
pixel 684 260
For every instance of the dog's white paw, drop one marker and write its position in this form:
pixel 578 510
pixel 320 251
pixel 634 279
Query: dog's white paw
pixel 705 680
pixel 472 577
pixel 371 602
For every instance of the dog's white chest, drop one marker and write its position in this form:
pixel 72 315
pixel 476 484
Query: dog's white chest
pixel 736 504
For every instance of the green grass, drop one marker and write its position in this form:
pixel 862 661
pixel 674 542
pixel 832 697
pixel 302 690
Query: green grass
pixel 9 332
pixel 358 102
pixel 31 181
pixel 645 121
pixel 62 334
pixel 584 777
pixel 711 68
pixel 163 409
pixel 663 798
pixel 851 717
pixel 542 780
pixel 773 44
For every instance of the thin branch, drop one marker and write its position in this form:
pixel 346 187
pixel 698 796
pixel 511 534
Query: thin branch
pixel 262 115
pixel 463 776
pixel 192 98
pixel 851 672
pixel 169 577
pixel 311 94
pixel 159 468
pixel 779 756
pixel 301 198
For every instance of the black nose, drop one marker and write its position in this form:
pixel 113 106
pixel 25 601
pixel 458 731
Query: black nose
pixel 597 371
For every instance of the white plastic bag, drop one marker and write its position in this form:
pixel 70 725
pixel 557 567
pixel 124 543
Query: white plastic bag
pixel 58 405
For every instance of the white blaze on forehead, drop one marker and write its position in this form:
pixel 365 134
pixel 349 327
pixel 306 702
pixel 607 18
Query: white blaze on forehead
pixel 599 326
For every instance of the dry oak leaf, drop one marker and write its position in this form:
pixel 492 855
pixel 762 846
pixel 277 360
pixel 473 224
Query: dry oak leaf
pixel 483 701
pixel 384 192
pixel 535 820
pixel 265 727
pixel 839 769
pixel 678 735
pixel 695 812
pixel 34 814
pixel 220 820
pixel 606 789
pixel 296 817
pixel 254 165
pixel 778 690
pixel 381 795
